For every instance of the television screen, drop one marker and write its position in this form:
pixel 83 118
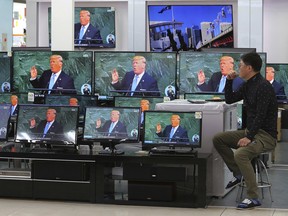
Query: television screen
pixel 76 65
pixel 5 71
pixel 76 100
pixel 145 103
pixel 4 120
pixel 277 74
pixel 158 79
pixel 100 33
pixel 43 124
pixel 172 129
pixel 5 98
pixel 191 64
pixel 190 27
pixel 111 123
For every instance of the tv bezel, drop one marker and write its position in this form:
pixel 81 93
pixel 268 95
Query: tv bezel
pixel 171 145
pixel 5 138
pixel 47 142
pixel 162 94
pixel 112 140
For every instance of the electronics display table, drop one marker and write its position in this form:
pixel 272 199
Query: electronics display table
pixel 132 179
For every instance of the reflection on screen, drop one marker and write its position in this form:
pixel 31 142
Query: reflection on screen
pixel 4 120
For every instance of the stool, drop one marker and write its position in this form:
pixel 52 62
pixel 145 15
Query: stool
pixel 262 179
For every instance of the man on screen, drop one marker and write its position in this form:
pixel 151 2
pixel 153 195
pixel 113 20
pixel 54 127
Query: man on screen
pixel 112 127
pixel 144 105
pixel 85 32
pixel 54 79
pixel 218 80
pixel 14 105
pixel 173 132
pixel 136 82
pixel 278 88
pixel 48 128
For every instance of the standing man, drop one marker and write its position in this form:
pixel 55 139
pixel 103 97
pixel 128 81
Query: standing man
pixel 261 133
pixel 85 32
pixel 54 79
pixel 14 105
pixel 218 80
pixel 136 82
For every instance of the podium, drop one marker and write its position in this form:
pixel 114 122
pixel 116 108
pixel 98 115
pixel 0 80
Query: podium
pixel 217 117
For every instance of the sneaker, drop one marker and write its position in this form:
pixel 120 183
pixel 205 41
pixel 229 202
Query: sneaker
pixel 235 181
pixel 249 204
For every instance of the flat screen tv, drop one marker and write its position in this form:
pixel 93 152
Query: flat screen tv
pixel 281 78
pixel 191 63
pixel 76 64
pixel 101 31
pixel 158 80
pixel 81 100
pixel 43 124
pixel 5 71
pixel 190 27
pixel 98 124
pixel 4 120
pixel 158 129
pixel 204 96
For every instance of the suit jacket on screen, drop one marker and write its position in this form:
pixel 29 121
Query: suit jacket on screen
pixel 180 135
pixel 91 36
pixel 64 81
pixel 118 131
pixel 55 131
pixel 147 83
pixel 213 84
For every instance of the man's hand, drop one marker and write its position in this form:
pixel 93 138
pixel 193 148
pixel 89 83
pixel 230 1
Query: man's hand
pixel 32 123
pixel 98 123
pixel 201 77
pixel 33 72
pixel 232 75
pixel 244 142
pixel 158 128
pixel 115 76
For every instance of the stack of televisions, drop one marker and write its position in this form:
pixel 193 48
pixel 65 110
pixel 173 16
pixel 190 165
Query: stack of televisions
pixel 92 70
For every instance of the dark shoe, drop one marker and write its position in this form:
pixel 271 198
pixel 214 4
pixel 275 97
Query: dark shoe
pixel 249 204
pixel 235 181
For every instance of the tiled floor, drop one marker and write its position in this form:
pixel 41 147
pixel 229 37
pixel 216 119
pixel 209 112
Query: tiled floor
pixel 15 207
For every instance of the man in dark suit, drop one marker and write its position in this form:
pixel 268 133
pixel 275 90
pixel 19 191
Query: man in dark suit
pixel 85 32
pixel 278 88
pixel 112 127
pixel 48 128
pixel 54 79
pixel 14 105
pixel 218 80
pixel 173 132
pixel 136 82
